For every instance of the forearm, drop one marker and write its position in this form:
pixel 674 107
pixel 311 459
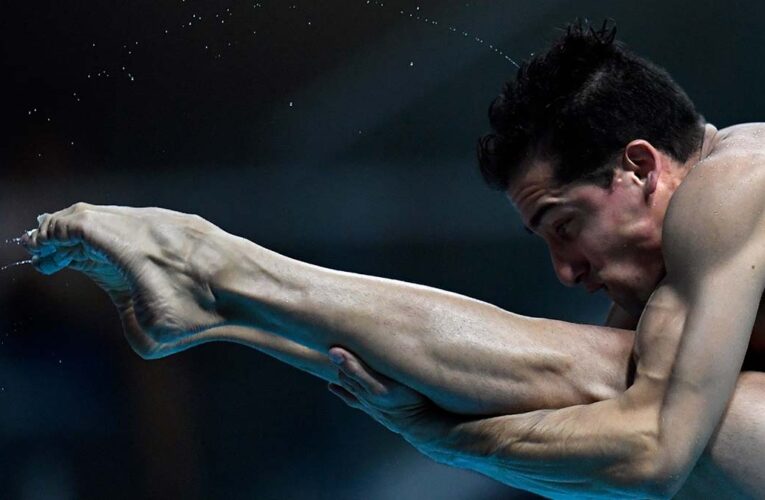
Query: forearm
pixel 647 441
pixel 449 347
pixel 537 451
pixel 511 449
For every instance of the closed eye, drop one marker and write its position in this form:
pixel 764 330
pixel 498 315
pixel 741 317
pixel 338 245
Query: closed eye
pixel 561 227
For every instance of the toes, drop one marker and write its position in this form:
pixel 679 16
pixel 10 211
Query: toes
pixel 51 260
pixel 46 265
pixel 41 218
pixel 41 235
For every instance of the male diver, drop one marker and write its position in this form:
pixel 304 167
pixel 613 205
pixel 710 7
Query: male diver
pixel 604 157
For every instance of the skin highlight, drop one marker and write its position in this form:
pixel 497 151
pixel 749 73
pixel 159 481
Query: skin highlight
pixel 607 238
pixel 467 357
pixel 672 403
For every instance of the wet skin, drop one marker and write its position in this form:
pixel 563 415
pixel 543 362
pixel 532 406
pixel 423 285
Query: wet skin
pixel 178 281
pixel 611 238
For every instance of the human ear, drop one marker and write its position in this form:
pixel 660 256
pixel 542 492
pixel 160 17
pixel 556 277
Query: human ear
pixel 641 158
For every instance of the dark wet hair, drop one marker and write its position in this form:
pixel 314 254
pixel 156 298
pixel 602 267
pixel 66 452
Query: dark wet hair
pixel 579 104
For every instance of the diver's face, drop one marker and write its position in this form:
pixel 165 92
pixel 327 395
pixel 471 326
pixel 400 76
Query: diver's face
pixel 600 238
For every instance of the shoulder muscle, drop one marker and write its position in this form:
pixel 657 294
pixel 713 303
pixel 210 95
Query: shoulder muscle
pixel 716 219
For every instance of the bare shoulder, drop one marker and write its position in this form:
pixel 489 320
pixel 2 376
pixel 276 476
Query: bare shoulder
pixel 718 211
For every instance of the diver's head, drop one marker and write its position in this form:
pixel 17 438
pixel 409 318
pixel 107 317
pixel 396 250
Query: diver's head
pixel 589 141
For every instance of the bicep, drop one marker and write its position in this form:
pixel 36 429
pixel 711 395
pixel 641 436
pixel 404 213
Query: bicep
pixel 694 332
pixel 697 350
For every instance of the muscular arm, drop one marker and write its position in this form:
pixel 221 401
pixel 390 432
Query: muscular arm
pixel 691 341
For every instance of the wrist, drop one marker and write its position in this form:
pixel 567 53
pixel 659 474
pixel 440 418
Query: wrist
pixel 429 430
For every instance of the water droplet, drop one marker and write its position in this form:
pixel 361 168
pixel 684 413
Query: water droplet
pixel 14 264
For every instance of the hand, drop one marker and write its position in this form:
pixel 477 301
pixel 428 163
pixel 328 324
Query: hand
pixel 155 264
pixel 394 405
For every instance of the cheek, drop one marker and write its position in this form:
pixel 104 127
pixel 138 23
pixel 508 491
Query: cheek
pixel 603 239
pixel 613 251
pixel 616 233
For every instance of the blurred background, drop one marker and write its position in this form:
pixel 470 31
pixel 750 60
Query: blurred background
pixel 341 133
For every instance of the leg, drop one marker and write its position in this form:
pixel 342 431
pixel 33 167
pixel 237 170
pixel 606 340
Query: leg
pixel 178 280
pixel 447 346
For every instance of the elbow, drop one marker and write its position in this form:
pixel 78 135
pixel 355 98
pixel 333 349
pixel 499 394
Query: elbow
pixel 670 474
pixel 658 475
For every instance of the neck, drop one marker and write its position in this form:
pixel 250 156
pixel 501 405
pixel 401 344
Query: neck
pixel 708 143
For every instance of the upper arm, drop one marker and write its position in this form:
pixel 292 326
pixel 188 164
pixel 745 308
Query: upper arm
pixel 694 332
pixel 690 343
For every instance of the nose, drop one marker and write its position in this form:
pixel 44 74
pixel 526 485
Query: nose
pixel 571 268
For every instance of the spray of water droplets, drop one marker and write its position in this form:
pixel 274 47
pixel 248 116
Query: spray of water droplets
pixel 14 264
pixel 15 241
pixel 415 15
pixel 193 18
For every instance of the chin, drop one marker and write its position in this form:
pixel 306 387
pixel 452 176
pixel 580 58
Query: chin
pixel 629 301
pixel 633 298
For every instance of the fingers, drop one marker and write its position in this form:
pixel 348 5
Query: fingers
pixel 355 370
pixel 351 385
pixel 343 394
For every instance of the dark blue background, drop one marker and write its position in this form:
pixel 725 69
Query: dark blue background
pixel 347 142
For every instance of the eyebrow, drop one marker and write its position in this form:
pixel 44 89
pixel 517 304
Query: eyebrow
pixel 536 219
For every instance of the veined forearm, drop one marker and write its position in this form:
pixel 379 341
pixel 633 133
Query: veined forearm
pixel 466 355
pixel 587 448
pixel 525 450
pixel 516 450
